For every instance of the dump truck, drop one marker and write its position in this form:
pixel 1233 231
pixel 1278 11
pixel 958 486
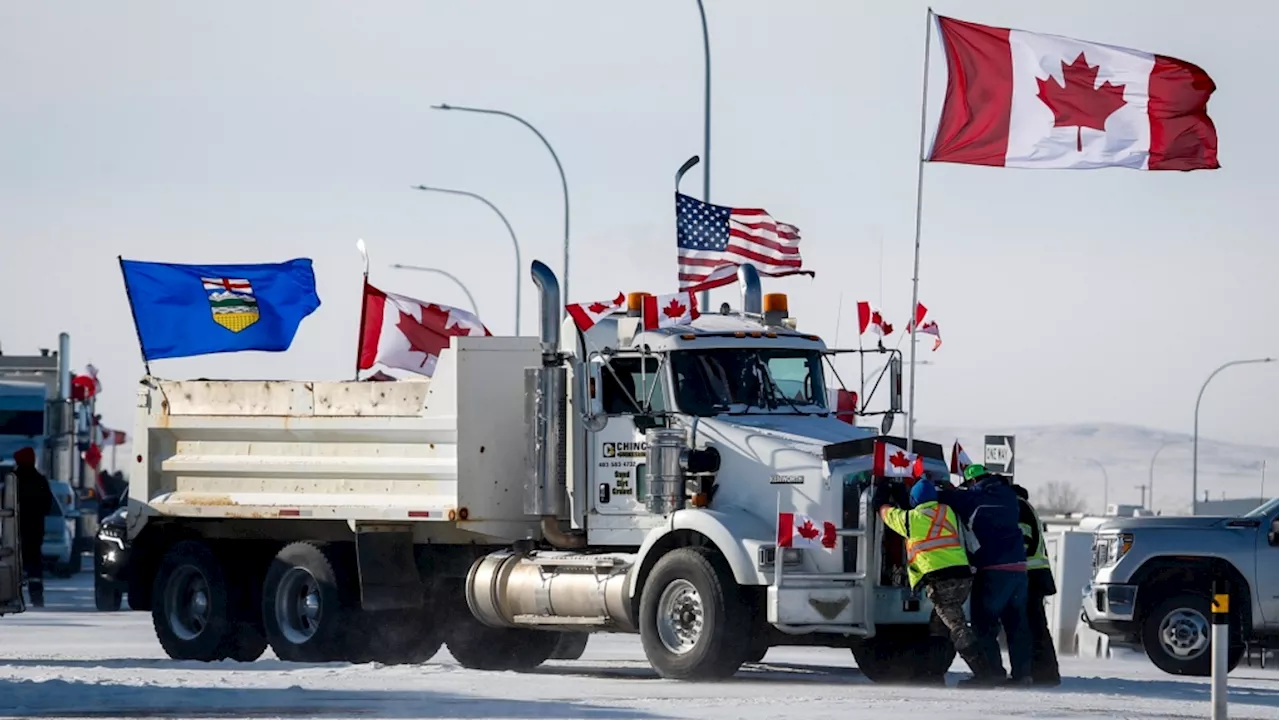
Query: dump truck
pixel 621 479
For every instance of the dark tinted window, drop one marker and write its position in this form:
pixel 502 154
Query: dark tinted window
pixel 29 423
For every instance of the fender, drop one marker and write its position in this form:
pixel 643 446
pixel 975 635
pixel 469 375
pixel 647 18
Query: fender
pixel 736 533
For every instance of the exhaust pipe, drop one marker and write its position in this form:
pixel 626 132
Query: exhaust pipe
pixel 749 281
pixel 548 311
pixel 546 410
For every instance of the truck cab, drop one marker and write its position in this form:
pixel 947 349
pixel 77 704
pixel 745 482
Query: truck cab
pixel 1152 581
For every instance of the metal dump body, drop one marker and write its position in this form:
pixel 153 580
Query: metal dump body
pixel 449 450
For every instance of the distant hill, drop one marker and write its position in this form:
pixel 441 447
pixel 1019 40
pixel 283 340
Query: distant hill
pixel 1066 453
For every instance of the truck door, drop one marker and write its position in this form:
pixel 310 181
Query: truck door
pixel 1268 570
pixel 10 557
pixel 629 383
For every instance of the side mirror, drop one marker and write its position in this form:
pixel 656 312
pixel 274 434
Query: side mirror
pixel 1273 536
pixel 895 384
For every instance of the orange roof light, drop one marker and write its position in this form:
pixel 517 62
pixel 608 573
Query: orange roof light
pixel 775 302
pixel 635 302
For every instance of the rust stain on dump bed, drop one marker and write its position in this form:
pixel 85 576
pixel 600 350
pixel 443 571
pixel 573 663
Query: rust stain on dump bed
pixel 207 500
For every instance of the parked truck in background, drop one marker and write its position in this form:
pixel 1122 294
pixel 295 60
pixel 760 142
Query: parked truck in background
pixel 1152 585
pixel 613 480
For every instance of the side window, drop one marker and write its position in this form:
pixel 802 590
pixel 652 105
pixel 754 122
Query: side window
pixel 625 379
pixel 791 374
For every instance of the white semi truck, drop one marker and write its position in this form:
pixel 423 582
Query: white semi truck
pixel 614 480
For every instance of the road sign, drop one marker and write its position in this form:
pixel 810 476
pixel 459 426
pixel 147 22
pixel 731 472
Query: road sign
pixel 997 454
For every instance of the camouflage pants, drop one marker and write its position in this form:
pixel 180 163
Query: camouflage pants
pixel 948 598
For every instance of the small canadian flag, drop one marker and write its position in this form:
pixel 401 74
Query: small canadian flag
pixel 662 311
pixel 586 315
pixel 892 461
pixel 802 531
pixel 870 318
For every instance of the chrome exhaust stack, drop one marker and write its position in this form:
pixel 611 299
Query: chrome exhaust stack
pixel 749 282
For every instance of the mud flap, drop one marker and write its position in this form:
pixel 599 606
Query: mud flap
pixel 388 574
pixel 10 554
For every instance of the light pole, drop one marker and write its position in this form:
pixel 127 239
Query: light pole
pixel 706 126
pixel 564 184
pixel 514 242
pixel 471 299
pixel 1106 483
pixel 1151 471
pixel 1195 433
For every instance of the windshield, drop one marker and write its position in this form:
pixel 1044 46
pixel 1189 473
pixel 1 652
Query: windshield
pixel 1264 509
pixel 745 380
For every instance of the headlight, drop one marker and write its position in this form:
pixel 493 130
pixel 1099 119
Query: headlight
pixel 1108 549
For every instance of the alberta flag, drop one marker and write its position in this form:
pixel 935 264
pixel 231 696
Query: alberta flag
pixel 184 310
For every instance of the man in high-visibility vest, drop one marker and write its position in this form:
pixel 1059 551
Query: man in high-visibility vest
pixel 937 560
pixel 1040 585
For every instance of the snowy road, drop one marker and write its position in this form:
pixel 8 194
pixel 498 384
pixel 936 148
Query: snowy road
pixel 70 661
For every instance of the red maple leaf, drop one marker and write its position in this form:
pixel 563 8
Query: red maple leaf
pixel 596 308
pixel 674 309
pixel 807 530
pixel 1077 102
pixel 422 336
pixel 899 459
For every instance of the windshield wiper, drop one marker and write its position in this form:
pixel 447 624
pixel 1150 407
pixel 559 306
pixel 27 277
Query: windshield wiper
pixel 774 390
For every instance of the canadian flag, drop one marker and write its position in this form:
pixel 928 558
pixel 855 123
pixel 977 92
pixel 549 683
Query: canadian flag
pixel 931 328
pixel 892 461
pixel 959 459
pixel 870 317
pixel 113 437
pixel 662 311
pixel 845 403
pixel 586 315
pixel 802 531
pixel 1026 100
pixel 400 332
pixel 921 311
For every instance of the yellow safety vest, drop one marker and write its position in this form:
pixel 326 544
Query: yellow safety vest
pixel 1039 559
pixel 933 538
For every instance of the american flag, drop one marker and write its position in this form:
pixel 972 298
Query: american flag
pixel 711 241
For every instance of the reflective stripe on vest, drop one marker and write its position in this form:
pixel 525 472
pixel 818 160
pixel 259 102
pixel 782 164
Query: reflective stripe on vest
pixel 934 538
pixel 1039 560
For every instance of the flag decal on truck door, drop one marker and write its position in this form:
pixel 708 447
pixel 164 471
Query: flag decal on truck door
pixel 232 302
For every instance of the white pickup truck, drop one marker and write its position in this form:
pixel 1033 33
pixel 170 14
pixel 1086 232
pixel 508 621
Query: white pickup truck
pixel 617 480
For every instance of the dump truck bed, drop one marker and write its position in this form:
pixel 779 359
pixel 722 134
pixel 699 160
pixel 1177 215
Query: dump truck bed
pixel 446 450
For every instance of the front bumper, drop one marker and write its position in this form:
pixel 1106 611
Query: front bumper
pixel 111 560
pixel 1110 608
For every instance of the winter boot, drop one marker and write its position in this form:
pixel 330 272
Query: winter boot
pixel 983 674
pixel 35 590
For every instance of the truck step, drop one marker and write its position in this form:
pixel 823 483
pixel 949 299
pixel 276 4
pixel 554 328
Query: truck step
pixel 841 576
pixel 556 620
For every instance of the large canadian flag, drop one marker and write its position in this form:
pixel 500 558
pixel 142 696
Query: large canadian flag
pixel 400 332
pixel 802 531
pixel 1026 100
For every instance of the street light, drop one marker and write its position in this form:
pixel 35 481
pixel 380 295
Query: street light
pixel 471 299
pixel 564 184
pixel 706 122
pixel 1195 434
pixel 1151 471
pixel 1106 482
pixel 514 242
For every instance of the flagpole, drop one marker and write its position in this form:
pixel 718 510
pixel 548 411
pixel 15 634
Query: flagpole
pixel 915 276
pixel 364 288
pixel 146 364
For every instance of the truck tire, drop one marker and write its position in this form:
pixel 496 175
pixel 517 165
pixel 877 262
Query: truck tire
pixel 393 637
pixel 904 654
pixel 191 612
pixel 246 643
pixel 477 646
pixel 302 610
pixel 105 598
pixel 693 622
pixel 571 646
pixel 1176 637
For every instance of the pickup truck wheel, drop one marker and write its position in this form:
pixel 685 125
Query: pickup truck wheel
pixel 191 612
pixel 693 622
pixel 1176 637
pixel 301 609
pixel 106 598
pixel 904 654
pixel 571 646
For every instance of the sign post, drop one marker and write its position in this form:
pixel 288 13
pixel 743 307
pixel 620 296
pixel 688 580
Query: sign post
pixel 997 454
pixel 1219 641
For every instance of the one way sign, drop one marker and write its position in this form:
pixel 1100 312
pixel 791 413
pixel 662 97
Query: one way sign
pixel 997 454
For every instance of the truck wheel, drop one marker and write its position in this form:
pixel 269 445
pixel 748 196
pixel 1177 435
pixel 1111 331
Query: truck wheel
pixel 393 637
pixel 757 648
pixel 301 608
pixel 571 646
pixel 191 612
pixel 904 654
pixel 246 643
pixel 1176 637
pixel 693 623
pixel 105 598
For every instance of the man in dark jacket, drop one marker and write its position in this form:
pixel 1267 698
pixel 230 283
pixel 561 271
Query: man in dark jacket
pixel 1040 585
pixel 989 507
pixel 35 500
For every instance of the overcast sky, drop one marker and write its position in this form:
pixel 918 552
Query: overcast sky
pixel 258 132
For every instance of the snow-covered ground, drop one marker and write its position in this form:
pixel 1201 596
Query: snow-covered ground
pixel 69 661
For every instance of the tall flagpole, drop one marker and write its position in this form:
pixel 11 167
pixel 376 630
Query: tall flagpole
pixel 915 276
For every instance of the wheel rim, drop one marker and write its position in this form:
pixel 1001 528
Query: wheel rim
pixel 1184 634
pixel 680 617
pixel 298 606
pixel 187 600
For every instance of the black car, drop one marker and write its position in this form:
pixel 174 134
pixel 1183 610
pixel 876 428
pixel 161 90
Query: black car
pixel 111 560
